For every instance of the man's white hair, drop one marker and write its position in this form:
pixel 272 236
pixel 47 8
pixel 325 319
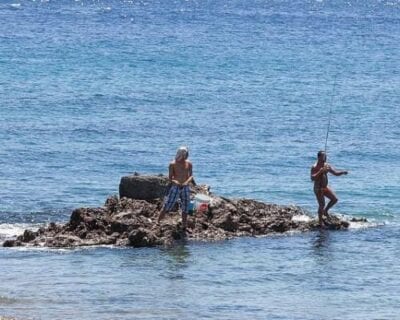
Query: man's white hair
pixel 182 153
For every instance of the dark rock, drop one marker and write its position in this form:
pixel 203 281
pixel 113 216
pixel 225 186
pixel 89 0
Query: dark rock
pixel 142 238
pixel 81 232
pixel 28 236
pixel 143 187
pixel 227 221
pixel 77 216
pixel 119 227
pixel 359 220
pixel 334 223
pixel 9 243
pixel 279 226
pixel 64 241
pixel 111 203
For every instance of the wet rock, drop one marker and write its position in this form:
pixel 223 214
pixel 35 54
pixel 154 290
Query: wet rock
pixel 335 223
pixel 66 240
pixel 9 243
pixel 28 236
pixel 142 237
pixel 359 220
pixel 279 226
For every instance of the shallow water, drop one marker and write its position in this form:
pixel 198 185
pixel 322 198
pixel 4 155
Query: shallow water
pixel 93 90
pixel 327 275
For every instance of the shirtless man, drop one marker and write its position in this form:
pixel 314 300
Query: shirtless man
pixel 180 175
pixel 319 174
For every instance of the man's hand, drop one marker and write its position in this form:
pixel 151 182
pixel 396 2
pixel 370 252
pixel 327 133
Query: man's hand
pixel 325 168
pixel 176 182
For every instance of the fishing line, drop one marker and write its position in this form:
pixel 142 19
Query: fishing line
pixel 330 113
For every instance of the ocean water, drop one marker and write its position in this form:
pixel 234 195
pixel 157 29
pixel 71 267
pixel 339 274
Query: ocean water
pixel 93 90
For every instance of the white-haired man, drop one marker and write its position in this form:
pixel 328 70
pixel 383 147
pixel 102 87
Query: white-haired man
pixel 180 175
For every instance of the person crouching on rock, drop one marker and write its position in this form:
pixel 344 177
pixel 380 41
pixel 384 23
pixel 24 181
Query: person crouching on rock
pixel 180 175
pixel 319 174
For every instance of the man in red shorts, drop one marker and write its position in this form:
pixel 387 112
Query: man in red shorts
pixel 319 174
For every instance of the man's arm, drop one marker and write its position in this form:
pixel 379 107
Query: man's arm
pixel 171 175
pixel 190 174
pixel 337 172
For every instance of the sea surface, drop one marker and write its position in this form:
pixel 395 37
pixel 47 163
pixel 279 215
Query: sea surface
pixel 91 91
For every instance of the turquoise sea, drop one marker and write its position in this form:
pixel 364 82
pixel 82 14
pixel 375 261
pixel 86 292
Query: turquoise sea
pixel 91 91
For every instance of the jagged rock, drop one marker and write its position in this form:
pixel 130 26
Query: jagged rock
pixel 10 243
pixel 111 203
pixel 279 226
pixel 142 238
pixel 227 221
pixel 127 221
pixel 64 241
pixel 28 236
pixel 334 223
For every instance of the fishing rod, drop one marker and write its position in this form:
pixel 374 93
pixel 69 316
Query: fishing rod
pixel 330 113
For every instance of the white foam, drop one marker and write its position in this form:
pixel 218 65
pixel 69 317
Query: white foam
pixel 12 230
pixel 15 5
pixel 301 218
pixel 68 250
pixel 352 224
pixel 363 224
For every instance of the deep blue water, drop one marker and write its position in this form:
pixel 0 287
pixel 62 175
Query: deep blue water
pixel 94 90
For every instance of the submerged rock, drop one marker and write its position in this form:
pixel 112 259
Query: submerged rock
pixel 132 221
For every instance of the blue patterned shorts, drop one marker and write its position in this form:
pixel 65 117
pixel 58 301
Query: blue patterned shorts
pixel 174 193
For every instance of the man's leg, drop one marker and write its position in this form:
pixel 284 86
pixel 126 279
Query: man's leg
pixel 185 199
pixel 321 205
pixel 184 220
pixel 169 203
pixel 161 215
pixel 332 197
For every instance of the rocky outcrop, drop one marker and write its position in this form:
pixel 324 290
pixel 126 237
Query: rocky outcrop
pixel 127 221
